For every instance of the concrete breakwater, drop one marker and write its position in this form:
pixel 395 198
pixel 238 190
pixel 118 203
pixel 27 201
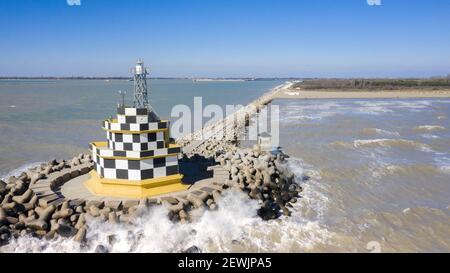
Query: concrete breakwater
pixel 264 177
pixel 223 135
pixel 261 174
pixel 32 204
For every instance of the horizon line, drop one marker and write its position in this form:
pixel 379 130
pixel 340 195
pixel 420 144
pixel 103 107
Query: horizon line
pixel 213 78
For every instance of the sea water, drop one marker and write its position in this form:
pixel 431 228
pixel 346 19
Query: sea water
pixel 376 178
pixel 379 171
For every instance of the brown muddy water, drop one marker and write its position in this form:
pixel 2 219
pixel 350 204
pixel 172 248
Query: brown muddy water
pixel 376 178
pixel 380 172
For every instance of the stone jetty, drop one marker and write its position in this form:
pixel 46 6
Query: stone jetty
pixel 263 175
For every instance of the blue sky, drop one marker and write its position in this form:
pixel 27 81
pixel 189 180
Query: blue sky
pixel 232 38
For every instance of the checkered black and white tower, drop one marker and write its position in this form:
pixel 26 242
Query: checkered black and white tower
pixel 137 160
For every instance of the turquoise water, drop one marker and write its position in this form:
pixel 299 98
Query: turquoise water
pixel 44 119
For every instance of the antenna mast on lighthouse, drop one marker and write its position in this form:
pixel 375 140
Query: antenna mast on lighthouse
pixel 140 86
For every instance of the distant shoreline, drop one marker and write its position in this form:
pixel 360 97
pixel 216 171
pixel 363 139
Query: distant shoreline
pixel 434 87
pixel 151 78
pixel 354 94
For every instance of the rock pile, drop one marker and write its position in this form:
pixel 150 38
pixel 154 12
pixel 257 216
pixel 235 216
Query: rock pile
pixel 264 176
pixel 31 204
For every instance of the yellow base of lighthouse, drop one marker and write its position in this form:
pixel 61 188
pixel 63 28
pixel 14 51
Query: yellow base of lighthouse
pixel 134 189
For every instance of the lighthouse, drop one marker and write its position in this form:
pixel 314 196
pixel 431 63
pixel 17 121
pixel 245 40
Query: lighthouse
pixel 138 159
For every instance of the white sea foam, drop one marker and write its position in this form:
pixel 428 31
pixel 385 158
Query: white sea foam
pixel 374 110
pixel 430 136
pixel 18 171
pixel 429 128
pixel 380 132
pixel 389 143
pixel 322 110
pixel 313 195
pixel 378 107
pixel 363 142
pixel 443 163
pixel 310 112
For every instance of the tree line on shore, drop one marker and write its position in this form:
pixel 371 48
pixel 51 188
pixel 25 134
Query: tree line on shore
pixel 434 83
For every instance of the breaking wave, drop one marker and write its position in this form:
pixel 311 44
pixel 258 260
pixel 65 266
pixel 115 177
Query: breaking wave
pixel 18 171
pixel 389 143
pixel 429 128
pixel 430 136
pixel 443 164
pixel 376 131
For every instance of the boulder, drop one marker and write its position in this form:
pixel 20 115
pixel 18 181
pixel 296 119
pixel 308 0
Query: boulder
pixel 79 209
pixel 216 196
pixel 97 203
pixel 42 222
pixel 76 203
pixel 3 220
pixel 74 218
pixel 36 224
pixel 19 187
pixel 183 214
pixel 74 173
pixel 13 207
pixel 65 230
pixel 53 162
pixel 47 170
pixel 130 203
pixel 113 204
pixel 25 197
pixel 81 221
pixel 192 249
pixel 209 202
pixel 63 213
pixel 112 218
pixel 195 201
pixel 36 177
pixel 74 162
pixel 176 208
pixel 101 249
pixel 80 237
pixel 125 218
pixel 212 206
pixel 94 211
pixel 31 204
